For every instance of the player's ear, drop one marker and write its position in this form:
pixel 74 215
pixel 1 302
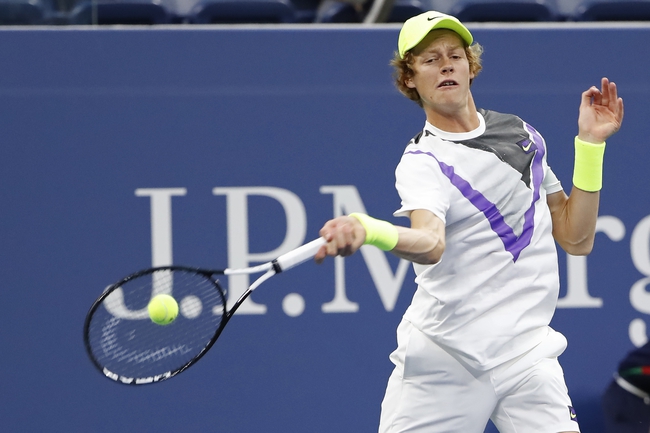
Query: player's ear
pixel 409 83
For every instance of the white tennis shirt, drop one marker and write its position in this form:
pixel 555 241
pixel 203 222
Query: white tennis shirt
pixel 494 292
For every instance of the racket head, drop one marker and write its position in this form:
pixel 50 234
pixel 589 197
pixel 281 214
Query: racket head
pixel 128 347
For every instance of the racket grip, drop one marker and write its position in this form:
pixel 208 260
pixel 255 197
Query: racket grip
pixel 298 256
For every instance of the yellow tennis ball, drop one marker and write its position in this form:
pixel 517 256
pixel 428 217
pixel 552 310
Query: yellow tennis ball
pixel 163 309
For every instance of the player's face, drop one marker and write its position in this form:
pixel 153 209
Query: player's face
pixel 442 73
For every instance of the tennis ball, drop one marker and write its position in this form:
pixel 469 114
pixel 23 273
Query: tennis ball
pixel 163 309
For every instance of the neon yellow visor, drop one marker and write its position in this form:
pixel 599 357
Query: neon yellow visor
pixel 417 27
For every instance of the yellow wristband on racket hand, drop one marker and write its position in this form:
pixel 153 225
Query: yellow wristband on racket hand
pixel 588 166
pixel 380 234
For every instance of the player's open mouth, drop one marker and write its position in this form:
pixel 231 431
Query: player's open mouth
pixel 448 83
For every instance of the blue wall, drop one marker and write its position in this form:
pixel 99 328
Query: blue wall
pixel 87 117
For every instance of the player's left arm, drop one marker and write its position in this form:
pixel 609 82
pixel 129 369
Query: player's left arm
pixel 574 217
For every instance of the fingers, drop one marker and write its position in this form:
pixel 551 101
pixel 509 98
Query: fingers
pixel 589 96
pixel 620 110
pixel 601 112
pixel 607 96
pixel 344 236
pixel 605 92
pixel 611 99
pixel 615 103
pixel 321 254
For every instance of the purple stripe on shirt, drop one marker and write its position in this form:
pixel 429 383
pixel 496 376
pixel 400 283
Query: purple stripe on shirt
pixel 538 176
pixel 513 244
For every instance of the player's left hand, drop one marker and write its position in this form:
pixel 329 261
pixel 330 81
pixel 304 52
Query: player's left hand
pixel 601 113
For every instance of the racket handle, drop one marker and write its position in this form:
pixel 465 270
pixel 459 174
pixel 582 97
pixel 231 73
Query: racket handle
pixel 298 256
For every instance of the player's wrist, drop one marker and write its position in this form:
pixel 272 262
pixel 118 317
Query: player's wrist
pixel 379 233
pixel 588 165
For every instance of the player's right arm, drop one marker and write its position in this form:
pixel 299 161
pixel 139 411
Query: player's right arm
pixel 423 242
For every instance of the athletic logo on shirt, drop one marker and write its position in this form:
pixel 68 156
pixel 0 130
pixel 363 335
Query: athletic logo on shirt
pixel 526 145
pixel 572 414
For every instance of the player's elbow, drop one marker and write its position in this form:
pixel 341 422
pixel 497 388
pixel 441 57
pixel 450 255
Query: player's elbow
pixel 582 248
pixel 576 242
pixel 433 256
pixel 579 251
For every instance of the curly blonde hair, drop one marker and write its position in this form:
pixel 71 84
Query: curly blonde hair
pixel 404 70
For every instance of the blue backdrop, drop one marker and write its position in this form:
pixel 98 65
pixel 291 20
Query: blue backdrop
pixel 268 133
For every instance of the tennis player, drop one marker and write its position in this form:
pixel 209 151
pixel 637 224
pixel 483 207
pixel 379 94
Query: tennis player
pixel 485 210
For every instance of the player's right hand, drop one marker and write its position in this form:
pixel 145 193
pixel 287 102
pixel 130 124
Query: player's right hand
pixel 344 236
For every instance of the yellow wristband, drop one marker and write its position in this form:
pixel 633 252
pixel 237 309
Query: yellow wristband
pixel 381 234
pixel 588 166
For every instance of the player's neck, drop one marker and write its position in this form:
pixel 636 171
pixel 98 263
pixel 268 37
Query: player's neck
pixel 463 119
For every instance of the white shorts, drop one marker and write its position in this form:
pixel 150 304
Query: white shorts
pixel 430 391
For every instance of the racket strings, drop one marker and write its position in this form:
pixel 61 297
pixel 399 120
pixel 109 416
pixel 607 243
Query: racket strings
pixel 124 341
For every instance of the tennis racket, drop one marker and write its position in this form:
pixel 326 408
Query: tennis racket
pixel 127 347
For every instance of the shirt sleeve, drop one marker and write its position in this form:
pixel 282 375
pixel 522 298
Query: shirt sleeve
pixel 551 183
pixel 421 185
